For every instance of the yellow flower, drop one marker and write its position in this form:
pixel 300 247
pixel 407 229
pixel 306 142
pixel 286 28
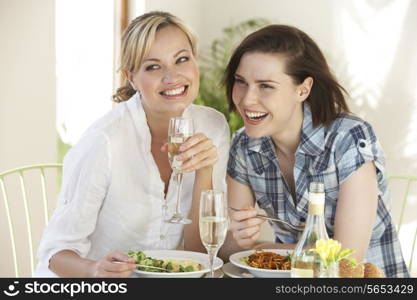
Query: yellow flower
pixel 322 249
pixel 331 251
pixel 334 249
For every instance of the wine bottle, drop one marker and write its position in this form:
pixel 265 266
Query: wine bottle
pixel 305 262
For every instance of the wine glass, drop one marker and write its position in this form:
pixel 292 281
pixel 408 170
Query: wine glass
pixel 213 223
pixel 180 129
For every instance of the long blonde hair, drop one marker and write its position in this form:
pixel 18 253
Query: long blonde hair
pixel 137 41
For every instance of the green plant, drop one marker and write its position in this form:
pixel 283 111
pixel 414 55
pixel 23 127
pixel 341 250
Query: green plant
pixel 213 62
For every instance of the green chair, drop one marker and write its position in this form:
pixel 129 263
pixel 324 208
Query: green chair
pixel 16 180
pixel 407 181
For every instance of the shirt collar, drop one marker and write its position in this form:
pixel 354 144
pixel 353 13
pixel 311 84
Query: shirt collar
pixel 140 122
pixel 263 146
pixel 135 106
pixel 311 140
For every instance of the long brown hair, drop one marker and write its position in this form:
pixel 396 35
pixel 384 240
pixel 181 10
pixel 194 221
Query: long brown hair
pixel 137 41
pixel 303 59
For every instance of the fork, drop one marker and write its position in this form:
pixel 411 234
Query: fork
pixel 297 228
pixel 144 266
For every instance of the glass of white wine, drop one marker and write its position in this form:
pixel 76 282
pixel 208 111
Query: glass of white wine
pixel 180 129
pixel 213 223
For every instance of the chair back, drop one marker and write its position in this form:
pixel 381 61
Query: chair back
pixel 404 190
pixel 26 193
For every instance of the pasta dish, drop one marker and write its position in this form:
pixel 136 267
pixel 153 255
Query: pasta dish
pixel 268 260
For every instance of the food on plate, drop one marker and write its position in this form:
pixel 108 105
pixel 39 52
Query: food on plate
pixel 268 260
pixel 361 270
pixel 373 271
pixel 173 265
pixel 347 269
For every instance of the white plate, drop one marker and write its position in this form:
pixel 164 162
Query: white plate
pixel 202 258
pixel 257 272
pixel 217 274
pixel 235 272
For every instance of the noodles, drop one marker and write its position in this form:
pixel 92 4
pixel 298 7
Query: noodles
pixel 269 260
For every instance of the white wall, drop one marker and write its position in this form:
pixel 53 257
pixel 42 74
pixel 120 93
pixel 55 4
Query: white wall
pixel 188 10
pixel 27 102
pixel 27 83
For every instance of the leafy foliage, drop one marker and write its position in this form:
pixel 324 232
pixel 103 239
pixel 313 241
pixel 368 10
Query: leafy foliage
pixel 212 66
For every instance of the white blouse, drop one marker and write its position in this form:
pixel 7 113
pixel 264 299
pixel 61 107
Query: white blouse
pixel 112 195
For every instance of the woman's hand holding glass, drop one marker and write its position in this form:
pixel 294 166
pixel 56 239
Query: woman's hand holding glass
pixel 245 227
pixel 179 130
pixel 197 153
pixel 187 152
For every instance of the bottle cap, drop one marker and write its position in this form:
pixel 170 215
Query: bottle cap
pixel 316 187
pixel 316 195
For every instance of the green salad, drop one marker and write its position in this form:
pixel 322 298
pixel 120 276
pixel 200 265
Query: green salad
pixel 167 264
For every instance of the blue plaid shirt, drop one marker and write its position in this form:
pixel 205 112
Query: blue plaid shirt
pixel 325 154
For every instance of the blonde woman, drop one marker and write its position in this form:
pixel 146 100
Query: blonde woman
pixel 118 186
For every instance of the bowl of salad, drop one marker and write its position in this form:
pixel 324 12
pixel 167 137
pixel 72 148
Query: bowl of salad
pixel 174 263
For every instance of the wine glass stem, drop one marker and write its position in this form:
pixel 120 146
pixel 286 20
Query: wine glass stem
pixel 179 182
pixel 212 252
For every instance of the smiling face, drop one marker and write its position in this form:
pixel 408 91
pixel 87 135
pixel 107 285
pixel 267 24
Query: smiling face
pixel 168 78
pixel 267 98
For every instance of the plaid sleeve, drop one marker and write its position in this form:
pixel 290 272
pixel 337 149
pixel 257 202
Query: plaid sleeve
pixel 357 147
pixel 237 165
